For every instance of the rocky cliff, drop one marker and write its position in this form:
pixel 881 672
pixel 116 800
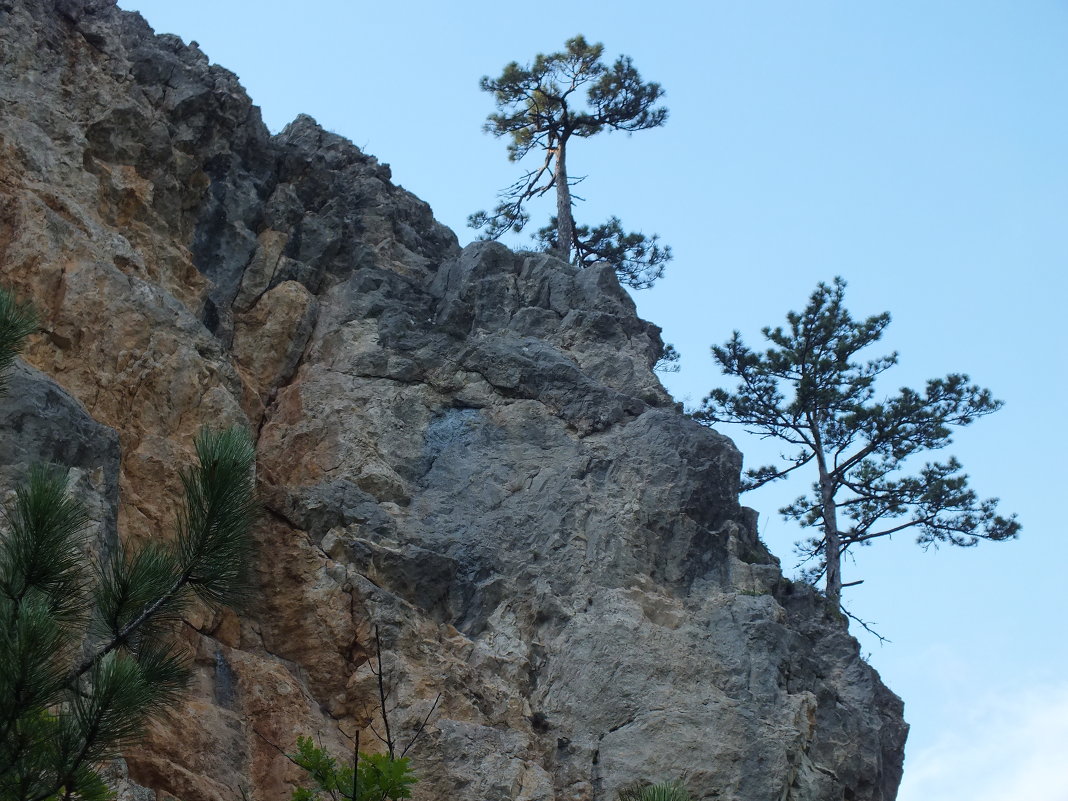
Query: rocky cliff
pixel 466 448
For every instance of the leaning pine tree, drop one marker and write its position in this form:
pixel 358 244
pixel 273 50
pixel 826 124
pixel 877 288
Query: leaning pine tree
pixel 87 653
pixel 808 390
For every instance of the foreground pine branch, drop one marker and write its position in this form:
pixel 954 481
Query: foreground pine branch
pixel 87 655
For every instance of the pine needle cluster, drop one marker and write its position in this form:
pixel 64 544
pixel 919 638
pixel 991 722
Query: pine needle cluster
pixel 17 321
pixel 665 791
pixel 87 652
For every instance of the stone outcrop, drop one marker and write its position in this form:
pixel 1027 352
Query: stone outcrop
pixel 465 448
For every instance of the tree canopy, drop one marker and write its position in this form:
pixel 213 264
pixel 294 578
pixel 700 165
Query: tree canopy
pixel 809 391
pixel 572 93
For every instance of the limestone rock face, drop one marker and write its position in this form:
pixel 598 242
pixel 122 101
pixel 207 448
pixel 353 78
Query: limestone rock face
pixel 40 423
pixel 465 448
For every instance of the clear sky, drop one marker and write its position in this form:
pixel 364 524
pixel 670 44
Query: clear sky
pixel 917 149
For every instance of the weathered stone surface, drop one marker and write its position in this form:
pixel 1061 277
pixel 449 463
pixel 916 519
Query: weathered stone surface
pixel 467 449
pixel 40 423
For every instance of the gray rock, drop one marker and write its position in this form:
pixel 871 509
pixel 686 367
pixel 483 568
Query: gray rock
pixel 40 423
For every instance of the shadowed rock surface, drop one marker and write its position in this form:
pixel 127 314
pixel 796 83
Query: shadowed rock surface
pixel 467 448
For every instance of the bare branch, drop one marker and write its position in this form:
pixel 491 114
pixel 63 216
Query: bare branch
pixel 382 694
pixel 863 624
pixel 422 726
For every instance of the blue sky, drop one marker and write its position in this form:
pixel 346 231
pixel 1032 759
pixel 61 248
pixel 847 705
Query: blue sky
pixel 915 148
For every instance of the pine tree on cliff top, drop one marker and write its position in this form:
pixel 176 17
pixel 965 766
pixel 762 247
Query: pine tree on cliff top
pixel 86 650
pixel 808 391
pixel 542 106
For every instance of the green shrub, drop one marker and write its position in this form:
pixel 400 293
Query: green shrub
pixel 669 791
pixel 378 776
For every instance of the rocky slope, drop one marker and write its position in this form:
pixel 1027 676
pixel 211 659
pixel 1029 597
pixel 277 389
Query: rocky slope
pixel 466 448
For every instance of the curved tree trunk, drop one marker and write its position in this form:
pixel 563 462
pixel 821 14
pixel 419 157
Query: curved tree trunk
pixel 565 223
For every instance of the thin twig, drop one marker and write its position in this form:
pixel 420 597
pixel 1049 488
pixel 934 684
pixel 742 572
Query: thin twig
pixel 419 730
pixel 866 627
pixel 355 768
pixel 374 731
pixel 382 694
pixel 276 747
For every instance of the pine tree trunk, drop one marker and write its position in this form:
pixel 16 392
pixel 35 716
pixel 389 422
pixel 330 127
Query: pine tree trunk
pixel 565 223
pixel 832 543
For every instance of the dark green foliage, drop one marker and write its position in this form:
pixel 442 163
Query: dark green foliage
pixel 153 587
pixel 378 776
pixel 535 102
pixel 132 583
pixel 41 557
pixel 668 361
pixel 86 653
pixel 17 321
pixel 541 106
pixel 672 791
pixel 808 390
pixel 367 777
pixel 219 502
pixel 639 260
